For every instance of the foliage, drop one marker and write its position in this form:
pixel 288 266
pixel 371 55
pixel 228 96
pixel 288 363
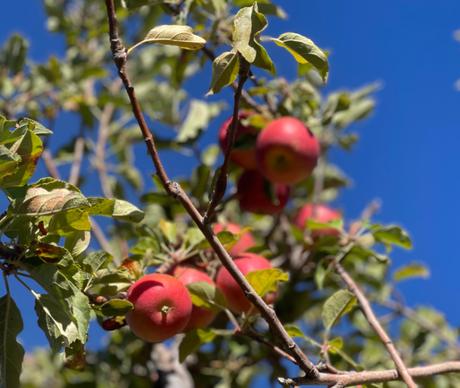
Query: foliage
pixel 53 246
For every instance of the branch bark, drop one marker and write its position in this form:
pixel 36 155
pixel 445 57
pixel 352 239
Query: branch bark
pixel 375 324
pixel 174 189
pixel 366 377
pixel 222 177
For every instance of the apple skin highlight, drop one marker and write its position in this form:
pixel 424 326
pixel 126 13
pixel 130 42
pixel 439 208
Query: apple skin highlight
pixel 287 151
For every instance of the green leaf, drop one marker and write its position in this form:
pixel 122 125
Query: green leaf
pixel 224 71
pixel 168 229
pixel 95 261
pixel 131 4
pixel 11 352
pixel 198 118
pixel 64 312
pixel 304 51
pixel 335 345
pixel 227 239
pixel 116 208
pixel 14 53
pixel 193 236
pixel 247 26
pixel 193 340
pixel 294 330
pixel 336 306
pixel 357 111
pixel 206 295
pixel 24 151
pixel 266 280
pixel 391 235
pixel 77 242
pixel 174 35
pixel 410 271
pixel 315 225
pixel 116 307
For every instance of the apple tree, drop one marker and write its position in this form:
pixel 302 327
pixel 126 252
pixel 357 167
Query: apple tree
pixel 182 204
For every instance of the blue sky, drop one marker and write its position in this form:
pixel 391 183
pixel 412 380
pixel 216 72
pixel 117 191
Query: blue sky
pixel 408 152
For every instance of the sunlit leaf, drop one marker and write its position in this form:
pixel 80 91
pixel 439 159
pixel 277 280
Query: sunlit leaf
pixel 304 51
pixel 174 35
pixel 413 270
pixel 206 295
pixel 336 306
pixel 224 71
pixel 266 280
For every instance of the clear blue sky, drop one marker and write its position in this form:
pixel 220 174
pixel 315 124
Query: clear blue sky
pixel 408 152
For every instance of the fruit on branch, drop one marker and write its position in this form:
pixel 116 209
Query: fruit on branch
pixel 201 317
pixel 319 213
pixel 257 195
pixel 243 152
pixel 162 307
pixel 236 300
pixel 286 151
pixel 245 239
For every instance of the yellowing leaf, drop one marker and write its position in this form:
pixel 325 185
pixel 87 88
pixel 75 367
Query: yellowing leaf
pixel 410 271
pixel 266 280
pixel 173 35
pixel 304 51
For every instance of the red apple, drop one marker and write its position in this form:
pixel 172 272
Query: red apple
pixel 318 213
pixel 243 151
pixel 257 195
pixel 286 151
pixel 200 317
pixel 236 300
pixel 245 241
pixel 162 307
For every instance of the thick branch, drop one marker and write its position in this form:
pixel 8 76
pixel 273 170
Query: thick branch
pixel 366 377
pixel 375 324
pixel 174 189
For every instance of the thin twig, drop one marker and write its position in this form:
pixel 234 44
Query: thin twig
pixel 222 177
pixel 258 338
pixel 78 151
pixel 375 324
pixel 100 163
pixel 50 164
pixel 100 236
pixel 174 189
pixel 366 377
pixel 426 324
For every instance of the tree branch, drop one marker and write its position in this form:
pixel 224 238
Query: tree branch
pixel 366 377
pixel 222 173
pixel 375 324
pixel 174 189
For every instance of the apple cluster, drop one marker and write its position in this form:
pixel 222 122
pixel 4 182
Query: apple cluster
pixel 283 153
pixel 162 303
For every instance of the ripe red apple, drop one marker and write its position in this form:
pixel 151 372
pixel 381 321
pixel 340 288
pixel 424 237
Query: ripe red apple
pixel 286 151
pixel 243 151
pixel 162 307
pixel 257 195
pixel 245 241
pixel 236 300
pixel 200 317
pixel 318 213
